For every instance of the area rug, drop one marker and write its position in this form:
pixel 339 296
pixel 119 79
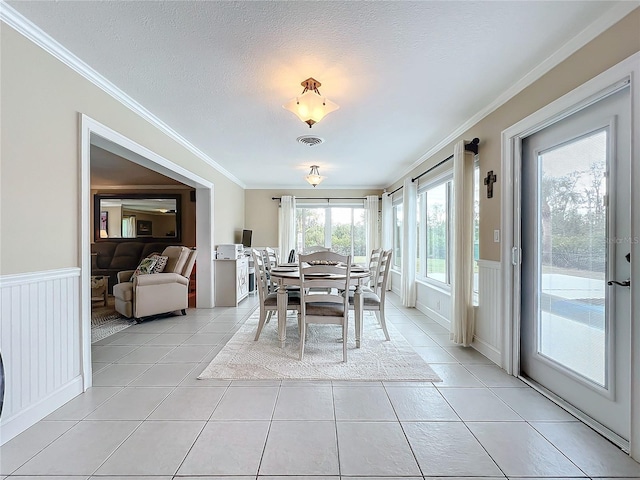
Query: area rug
pixel 105 321
pixel 244 359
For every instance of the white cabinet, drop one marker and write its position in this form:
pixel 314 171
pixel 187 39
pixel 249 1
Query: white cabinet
pixel 231 281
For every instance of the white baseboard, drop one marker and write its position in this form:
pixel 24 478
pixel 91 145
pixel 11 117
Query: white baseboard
pixel 24 419
pixel 434 316
pixel 487 350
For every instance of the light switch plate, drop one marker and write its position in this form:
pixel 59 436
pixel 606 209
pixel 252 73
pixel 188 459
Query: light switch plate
pixel 496 236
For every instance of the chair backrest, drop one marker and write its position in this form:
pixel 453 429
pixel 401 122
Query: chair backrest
pixel 261 275
pixel 315 248
pixel 324 282
pixel 274 260
pixel 292 256
pixel 181 260
pixel 382 274
pixel 374 260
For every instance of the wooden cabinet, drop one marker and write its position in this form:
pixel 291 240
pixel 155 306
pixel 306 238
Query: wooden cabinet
pixel 231 281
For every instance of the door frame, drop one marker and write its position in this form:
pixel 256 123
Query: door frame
pixel 141 155
pixel 627 71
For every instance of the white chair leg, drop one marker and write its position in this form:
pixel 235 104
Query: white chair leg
pixel 383 322
pixel 260 324
pixel 345 326
pixel 303 334
pixel 269 313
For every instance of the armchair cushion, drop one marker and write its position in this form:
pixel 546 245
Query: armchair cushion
pixel 145 267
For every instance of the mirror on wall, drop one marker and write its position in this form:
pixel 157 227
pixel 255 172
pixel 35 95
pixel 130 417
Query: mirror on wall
pixel 137 216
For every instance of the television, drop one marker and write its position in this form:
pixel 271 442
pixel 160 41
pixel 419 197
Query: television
pixel 246 238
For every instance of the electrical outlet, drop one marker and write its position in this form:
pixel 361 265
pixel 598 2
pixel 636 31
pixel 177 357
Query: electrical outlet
pixel 438 305
pixel 496 236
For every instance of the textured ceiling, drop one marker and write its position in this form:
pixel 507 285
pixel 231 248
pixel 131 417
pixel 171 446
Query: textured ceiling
pixel 405 74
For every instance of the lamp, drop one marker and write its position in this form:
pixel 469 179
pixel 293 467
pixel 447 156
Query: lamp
pixel 314 177
pixel 103 233
pixel 310 106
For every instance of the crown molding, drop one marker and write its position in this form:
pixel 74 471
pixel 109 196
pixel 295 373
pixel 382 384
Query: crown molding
pixel 28 29
pixel 602 23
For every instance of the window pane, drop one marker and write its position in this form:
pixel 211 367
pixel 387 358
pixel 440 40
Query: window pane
pixel 572 242
pixel 419 246
pixel 348 232
pixel 397 236
pixel 437 235
pixel 310 225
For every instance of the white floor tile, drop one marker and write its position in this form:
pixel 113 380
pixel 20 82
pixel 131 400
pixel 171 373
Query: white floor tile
pixel 593 454
pixel 362 403
pixel 521 451
pixel 532 406
pixel 454 375
pixel 494 376
pixel 133 339
pixel 146 354
pixel 246 403
pixel 434 355
pixel 479 405
pixel 109 353
pixel 81 450
pixel 227 448
pixel 169 339
pixel 131 404
pixel 21 448
pixel 186 354
pixel 300 448
pixel 189 403
pixel 155 448
pixel 420 404
pixel 468 355
pixel 84 404
pixel 118 375
pixel 375 449
pixel 305 403
pixel 169 374
pixel 448 449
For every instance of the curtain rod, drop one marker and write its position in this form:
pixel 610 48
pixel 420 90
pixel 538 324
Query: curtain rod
pixel 470 147
pixel 324 198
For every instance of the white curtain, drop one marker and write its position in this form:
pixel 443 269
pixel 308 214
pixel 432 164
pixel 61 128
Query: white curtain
pixel 287 226
pixel 387 221
pixel 371 206
pixel 409 252
pixel 462 313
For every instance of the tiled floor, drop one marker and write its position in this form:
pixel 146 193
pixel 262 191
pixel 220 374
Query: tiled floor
pixel 148 417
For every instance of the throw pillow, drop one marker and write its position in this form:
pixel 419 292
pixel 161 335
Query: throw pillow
pixel 145 267
pixel 161 262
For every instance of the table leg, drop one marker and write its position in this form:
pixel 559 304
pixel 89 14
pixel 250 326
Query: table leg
pixel 357 308
pixel 282 315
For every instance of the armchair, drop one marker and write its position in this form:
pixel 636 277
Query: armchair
pixel 157 293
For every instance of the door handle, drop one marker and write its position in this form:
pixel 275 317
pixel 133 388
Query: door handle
pixel 626 283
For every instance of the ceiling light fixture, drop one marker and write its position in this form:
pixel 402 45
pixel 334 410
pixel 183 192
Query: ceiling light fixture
pixel 314 177
pixel 310 106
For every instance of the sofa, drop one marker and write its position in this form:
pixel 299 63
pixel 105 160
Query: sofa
pixel 110 257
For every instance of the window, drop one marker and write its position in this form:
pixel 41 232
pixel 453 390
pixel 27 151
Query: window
pixel 437 219
pixel 397 236
pixel 340 228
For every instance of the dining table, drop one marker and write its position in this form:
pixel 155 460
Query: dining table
pixel 288 275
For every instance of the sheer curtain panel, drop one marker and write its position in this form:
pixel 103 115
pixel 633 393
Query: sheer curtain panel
pixel 409 249
pixel 371 205
pixel 287 226
pixel 462 313
pixel 387 221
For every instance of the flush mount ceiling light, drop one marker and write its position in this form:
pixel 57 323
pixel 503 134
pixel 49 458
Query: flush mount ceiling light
pixel 314 177
pixel 310 106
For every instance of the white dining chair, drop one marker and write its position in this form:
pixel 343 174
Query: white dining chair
pixel 373 298
pixel 324 298
pixel 268 301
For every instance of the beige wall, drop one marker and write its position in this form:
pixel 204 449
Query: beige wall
pixel 41 101
pixel 261 214
pixel 608 49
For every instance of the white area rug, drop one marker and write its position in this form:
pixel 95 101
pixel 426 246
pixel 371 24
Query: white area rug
pixel 106 321
pixel 377 359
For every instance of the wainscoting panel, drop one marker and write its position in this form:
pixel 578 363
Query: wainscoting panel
pixel 488 335
pixel 40 344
